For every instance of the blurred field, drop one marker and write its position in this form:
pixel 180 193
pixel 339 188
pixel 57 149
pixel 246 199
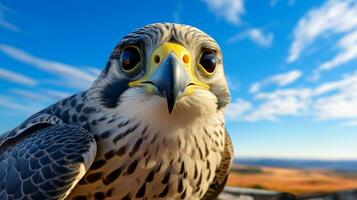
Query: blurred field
pixel 296 181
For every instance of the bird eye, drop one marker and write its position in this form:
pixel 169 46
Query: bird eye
pixel 208 61
pixel 130 58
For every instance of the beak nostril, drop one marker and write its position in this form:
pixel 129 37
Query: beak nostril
pixel 156 59
pixel 186 58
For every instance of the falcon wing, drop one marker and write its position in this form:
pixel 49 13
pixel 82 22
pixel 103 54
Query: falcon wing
pixel 35 122
pixel 45 162
pixel 222 171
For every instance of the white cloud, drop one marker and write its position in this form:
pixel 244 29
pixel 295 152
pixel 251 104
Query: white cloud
pixel 57 94
pixel 94 71
pixel 11 104
pixel 346 83
pixel 255 87
pixel 288 102
pixel 27 102
pixel 70 75
pixel 271 106
pixel 273 3
pixel 339 106
pixel 286 78
pixel 4 23
pixel 338 99
pixel 333 17
pixel 281 80
pixel 20 99
pixel 348 52
pixel 233 82
pixel 236 110
pixel 335 100
pixel 254 34
pixel 30 95
pixel 41 97
pixel 16 77
pixel 230 10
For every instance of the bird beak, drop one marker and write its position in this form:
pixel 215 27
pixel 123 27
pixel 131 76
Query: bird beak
pixel 170 79
pixel 170 74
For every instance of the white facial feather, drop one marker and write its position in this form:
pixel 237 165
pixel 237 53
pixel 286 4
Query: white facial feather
pixel 153 109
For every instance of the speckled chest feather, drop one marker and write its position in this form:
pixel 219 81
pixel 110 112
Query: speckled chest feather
pixel 151 126
pixel 138 161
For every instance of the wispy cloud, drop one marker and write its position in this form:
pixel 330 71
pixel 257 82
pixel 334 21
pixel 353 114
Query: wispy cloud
pixel 338 106
pixel 230 10
pixel 280 80
pixel 20 99
pixel 338 99
pixel 255 35
pixel 16 77
pixel 238 109
pixel 287 102
pixel 30 95
pixel 335 100
pixel 4 23
pixel 42 96
pixel 345 83
pixel 348 52
pixel 176 14
pixel 270 106
pixel 70 75
pixel 94 71
pixel 332 18
pixel 8 103
pixel 273 3
pixel 233 83
pixel 57 94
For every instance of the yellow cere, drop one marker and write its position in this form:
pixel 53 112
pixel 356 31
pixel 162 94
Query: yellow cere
pixel 162 52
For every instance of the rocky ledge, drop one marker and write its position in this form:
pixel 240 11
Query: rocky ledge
pixel 234 193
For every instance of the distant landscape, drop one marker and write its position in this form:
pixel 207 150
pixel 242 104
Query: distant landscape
pixel 294 176
pixel 338 165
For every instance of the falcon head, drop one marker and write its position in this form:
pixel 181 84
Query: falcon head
pixel 167 68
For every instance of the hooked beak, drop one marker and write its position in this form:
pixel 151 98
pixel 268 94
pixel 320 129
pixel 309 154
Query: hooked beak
pixel 170 74
pixel 170 80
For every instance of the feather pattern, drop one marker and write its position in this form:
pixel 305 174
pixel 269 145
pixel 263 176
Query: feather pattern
pixel 142 151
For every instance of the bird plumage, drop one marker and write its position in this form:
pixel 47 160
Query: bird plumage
pixel 142 151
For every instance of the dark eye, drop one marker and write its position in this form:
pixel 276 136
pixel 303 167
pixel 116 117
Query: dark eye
pixel 130 58
pixel 208 61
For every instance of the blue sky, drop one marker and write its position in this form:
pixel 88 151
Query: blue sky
pixel 291 65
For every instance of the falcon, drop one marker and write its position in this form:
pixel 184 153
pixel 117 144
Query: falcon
pixel 150 127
